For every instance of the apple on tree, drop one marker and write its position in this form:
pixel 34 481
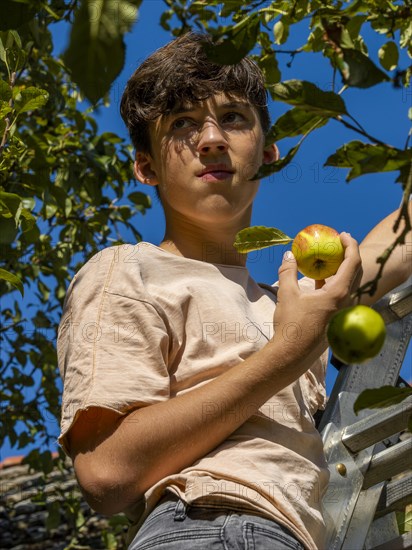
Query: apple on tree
pixel 317 248
pixel 318 251
pixel 355 334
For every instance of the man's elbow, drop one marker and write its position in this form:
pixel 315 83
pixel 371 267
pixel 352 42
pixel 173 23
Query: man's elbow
pixel 105 492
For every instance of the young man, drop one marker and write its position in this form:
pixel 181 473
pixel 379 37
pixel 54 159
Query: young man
pixel 187 400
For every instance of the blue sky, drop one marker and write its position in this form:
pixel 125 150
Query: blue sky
pixel 305 192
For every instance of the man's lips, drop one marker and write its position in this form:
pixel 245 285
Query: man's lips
pixel 215 171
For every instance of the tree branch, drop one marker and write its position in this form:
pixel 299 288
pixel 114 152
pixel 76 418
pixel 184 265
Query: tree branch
pixel 360 130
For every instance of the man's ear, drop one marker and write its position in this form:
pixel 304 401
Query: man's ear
pixel 143 169
pixel 270 154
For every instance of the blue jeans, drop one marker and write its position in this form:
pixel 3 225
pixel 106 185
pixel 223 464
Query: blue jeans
pixel 173 525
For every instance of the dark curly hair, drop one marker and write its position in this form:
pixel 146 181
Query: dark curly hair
pixel 180 72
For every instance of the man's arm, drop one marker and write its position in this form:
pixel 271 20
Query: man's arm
pixel 118 458
pixel 399 265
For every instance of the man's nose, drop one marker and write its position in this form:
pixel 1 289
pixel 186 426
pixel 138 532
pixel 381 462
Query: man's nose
pixel 211 139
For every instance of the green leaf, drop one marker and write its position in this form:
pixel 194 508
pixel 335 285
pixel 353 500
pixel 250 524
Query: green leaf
pixel 308 96
pixel 8 230
pixel 5 109
pixel 80 519
pixel 96 51
pixel 295 122
pixel 3 55
pixel 29 99
pixel 337 33
pixel 379 398
pixel 389 56
pixel 44 290
pixel 46 461
pixel 14 14
pixel 238 42
pixel 41 320
pixel 365 158
pixel 109 540
pixel 11 50
pixel 10 204
pixel 28 221
pixel 31 235
pixel 278 31
pixel 12 279
pixel 354 25
pixel 228 7
pixel 53 516
pixel 28 202
pixel 269 65
pixel 267 169
pixel 316 41
pixel 140 199
pixel 5 91
pixel 359 71
pixel 50 204
pixel 259 236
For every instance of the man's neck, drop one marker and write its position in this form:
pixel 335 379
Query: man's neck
pixel 198 243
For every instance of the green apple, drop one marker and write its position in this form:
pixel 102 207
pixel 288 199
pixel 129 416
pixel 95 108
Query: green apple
pixel 356 334
pixel 318 251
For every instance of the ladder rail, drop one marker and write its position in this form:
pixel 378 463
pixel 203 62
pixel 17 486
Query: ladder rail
pixel 359 465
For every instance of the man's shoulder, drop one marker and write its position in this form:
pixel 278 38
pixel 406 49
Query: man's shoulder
pixel 124 254
pixel 122 257
pixel 120 268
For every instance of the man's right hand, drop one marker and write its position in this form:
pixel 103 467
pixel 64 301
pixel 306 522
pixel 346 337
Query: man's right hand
pixel 302 315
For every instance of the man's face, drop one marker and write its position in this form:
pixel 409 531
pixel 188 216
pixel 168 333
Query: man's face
pixel 204 156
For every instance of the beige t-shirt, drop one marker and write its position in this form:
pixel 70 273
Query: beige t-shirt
pixel 141 325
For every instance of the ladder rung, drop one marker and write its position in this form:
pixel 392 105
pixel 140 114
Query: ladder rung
pixel 399 543
pixel 378 426
pixel 398 306
pixel 388 463
pixel 395 495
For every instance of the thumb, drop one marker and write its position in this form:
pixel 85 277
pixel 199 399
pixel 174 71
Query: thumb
pixel 288 272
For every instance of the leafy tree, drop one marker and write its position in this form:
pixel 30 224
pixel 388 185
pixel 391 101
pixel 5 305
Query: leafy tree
pixel 63 185
pixel 63 188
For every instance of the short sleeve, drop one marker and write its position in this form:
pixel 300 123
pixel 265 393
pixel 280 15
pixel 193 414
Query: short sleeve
pixel 112 346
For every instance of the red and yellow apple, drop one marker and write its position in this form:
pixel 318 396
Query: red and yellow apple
pixel 318 251
pixel 356 334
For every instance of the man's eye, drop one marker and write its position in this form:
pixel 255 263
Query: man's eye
pixel 233 117
pixel 181 123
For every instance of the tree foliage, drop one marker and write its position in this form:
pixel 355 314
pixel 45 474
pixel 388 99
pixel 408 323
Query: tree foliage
pixel 63 195
pixel 64 187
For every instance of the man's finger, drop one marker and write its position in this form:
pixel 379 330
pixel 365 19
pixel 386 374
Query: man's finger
pixel 351 264
pixel 288 275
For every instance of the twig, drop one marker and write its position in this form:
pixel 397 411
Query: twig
pixel 360 130
pixel 408 139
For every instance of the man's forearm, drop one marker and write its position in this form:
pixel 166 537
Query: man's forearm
pixel 162 439
pixel 398 267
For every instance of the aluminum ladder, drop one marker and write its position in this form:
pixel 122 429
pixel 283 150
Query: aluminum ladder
pixel 370 455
